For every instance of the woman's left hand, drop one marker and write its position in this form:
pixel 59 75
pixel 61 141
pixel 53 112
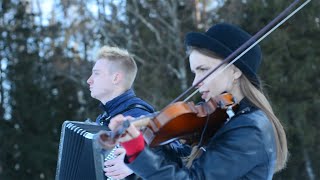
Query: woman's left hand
pixel 131 133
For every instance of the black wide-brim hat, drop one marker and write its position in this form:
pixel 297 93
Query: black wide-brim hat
pixel 223 39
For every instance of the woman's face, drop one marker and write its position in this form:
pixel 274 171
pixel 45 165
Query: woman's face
pixel 212 86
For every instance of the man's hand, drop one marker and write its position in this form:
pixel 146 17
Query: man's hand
pixel 116 168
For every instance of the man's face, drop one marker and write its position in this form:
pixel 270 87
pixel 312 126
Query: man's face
pixel 100 81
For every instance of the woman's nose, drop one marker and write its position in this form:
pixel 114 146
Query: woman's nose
pixel 195 82
pixel 89 81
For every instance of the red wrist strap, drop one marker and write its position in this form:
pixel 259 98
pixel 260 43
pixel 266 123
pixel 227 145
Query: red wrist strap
pixel 134 147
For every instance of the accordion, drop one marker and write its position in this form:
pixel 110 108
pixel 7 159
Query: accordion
pixel 80 156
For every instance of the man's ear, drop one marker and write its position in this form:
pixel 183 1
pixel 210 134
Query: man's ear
pixel 117 78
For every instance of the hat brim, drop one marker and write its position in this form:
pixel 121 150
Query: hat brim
pixel 201 40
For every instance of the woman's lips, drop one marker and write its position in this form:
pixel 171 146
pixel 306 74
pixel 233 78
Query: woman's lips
pixel 204 95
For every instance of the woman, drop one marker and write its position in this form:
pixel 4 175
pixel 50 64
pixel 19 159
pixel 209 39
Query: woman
pixel 250 145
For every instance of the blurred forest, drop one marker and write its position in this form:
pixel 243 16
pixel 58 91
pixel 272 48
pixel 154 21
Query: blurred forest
pixel 47 52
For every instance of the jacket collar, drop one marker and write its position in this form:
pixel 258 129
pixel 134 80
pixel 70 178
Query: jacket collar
pixel 245 106
pixel 112 105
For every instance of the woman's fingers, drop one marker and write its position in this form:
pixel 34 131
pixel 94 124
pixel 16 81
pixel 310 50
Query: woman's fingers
pixel 116 121
pixel 131 132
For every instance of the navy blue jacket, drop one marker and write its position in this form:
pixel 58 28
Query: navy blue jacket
pixel 127 104
pixel 243 148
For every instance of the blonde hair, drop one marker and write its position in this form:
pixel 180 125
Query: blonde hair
pixel 122 61
pixel 256 97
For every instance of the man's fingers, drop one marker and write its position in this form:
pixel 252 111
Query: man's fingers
pixel 117 176
pixel 119 151
pixel 109 163
pixel 117 172
pixel 114 168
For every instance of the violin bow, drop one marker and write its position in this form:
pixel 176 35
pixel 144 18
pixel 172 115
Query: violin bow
pixel 248 45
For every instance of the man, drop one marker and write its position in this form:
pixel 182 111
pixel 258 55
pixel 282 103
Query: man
pixel 111 83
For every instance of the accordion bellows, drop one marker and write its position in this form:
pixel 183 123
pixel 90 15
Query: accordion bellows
pixel 80 157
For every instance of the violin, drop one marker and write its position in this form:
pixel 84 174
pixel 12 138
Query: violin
pixel 179 120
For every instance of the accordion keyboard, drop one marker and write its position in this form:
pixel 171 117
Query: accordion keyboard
pixel 111 156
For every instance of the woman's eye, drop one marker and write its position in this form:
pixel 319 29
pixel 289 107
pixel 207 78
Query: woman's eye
pixel 203 69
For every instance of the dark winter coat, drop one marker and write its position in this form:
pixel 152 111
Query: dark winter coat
pixel 244 148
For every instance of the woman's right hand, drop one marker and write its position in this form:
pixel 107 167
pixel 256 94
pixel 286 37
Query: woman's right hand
pixel 132 140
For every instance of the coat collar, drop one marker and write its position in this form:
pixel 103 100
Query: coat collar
pixel 113 104
pixel 245 106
